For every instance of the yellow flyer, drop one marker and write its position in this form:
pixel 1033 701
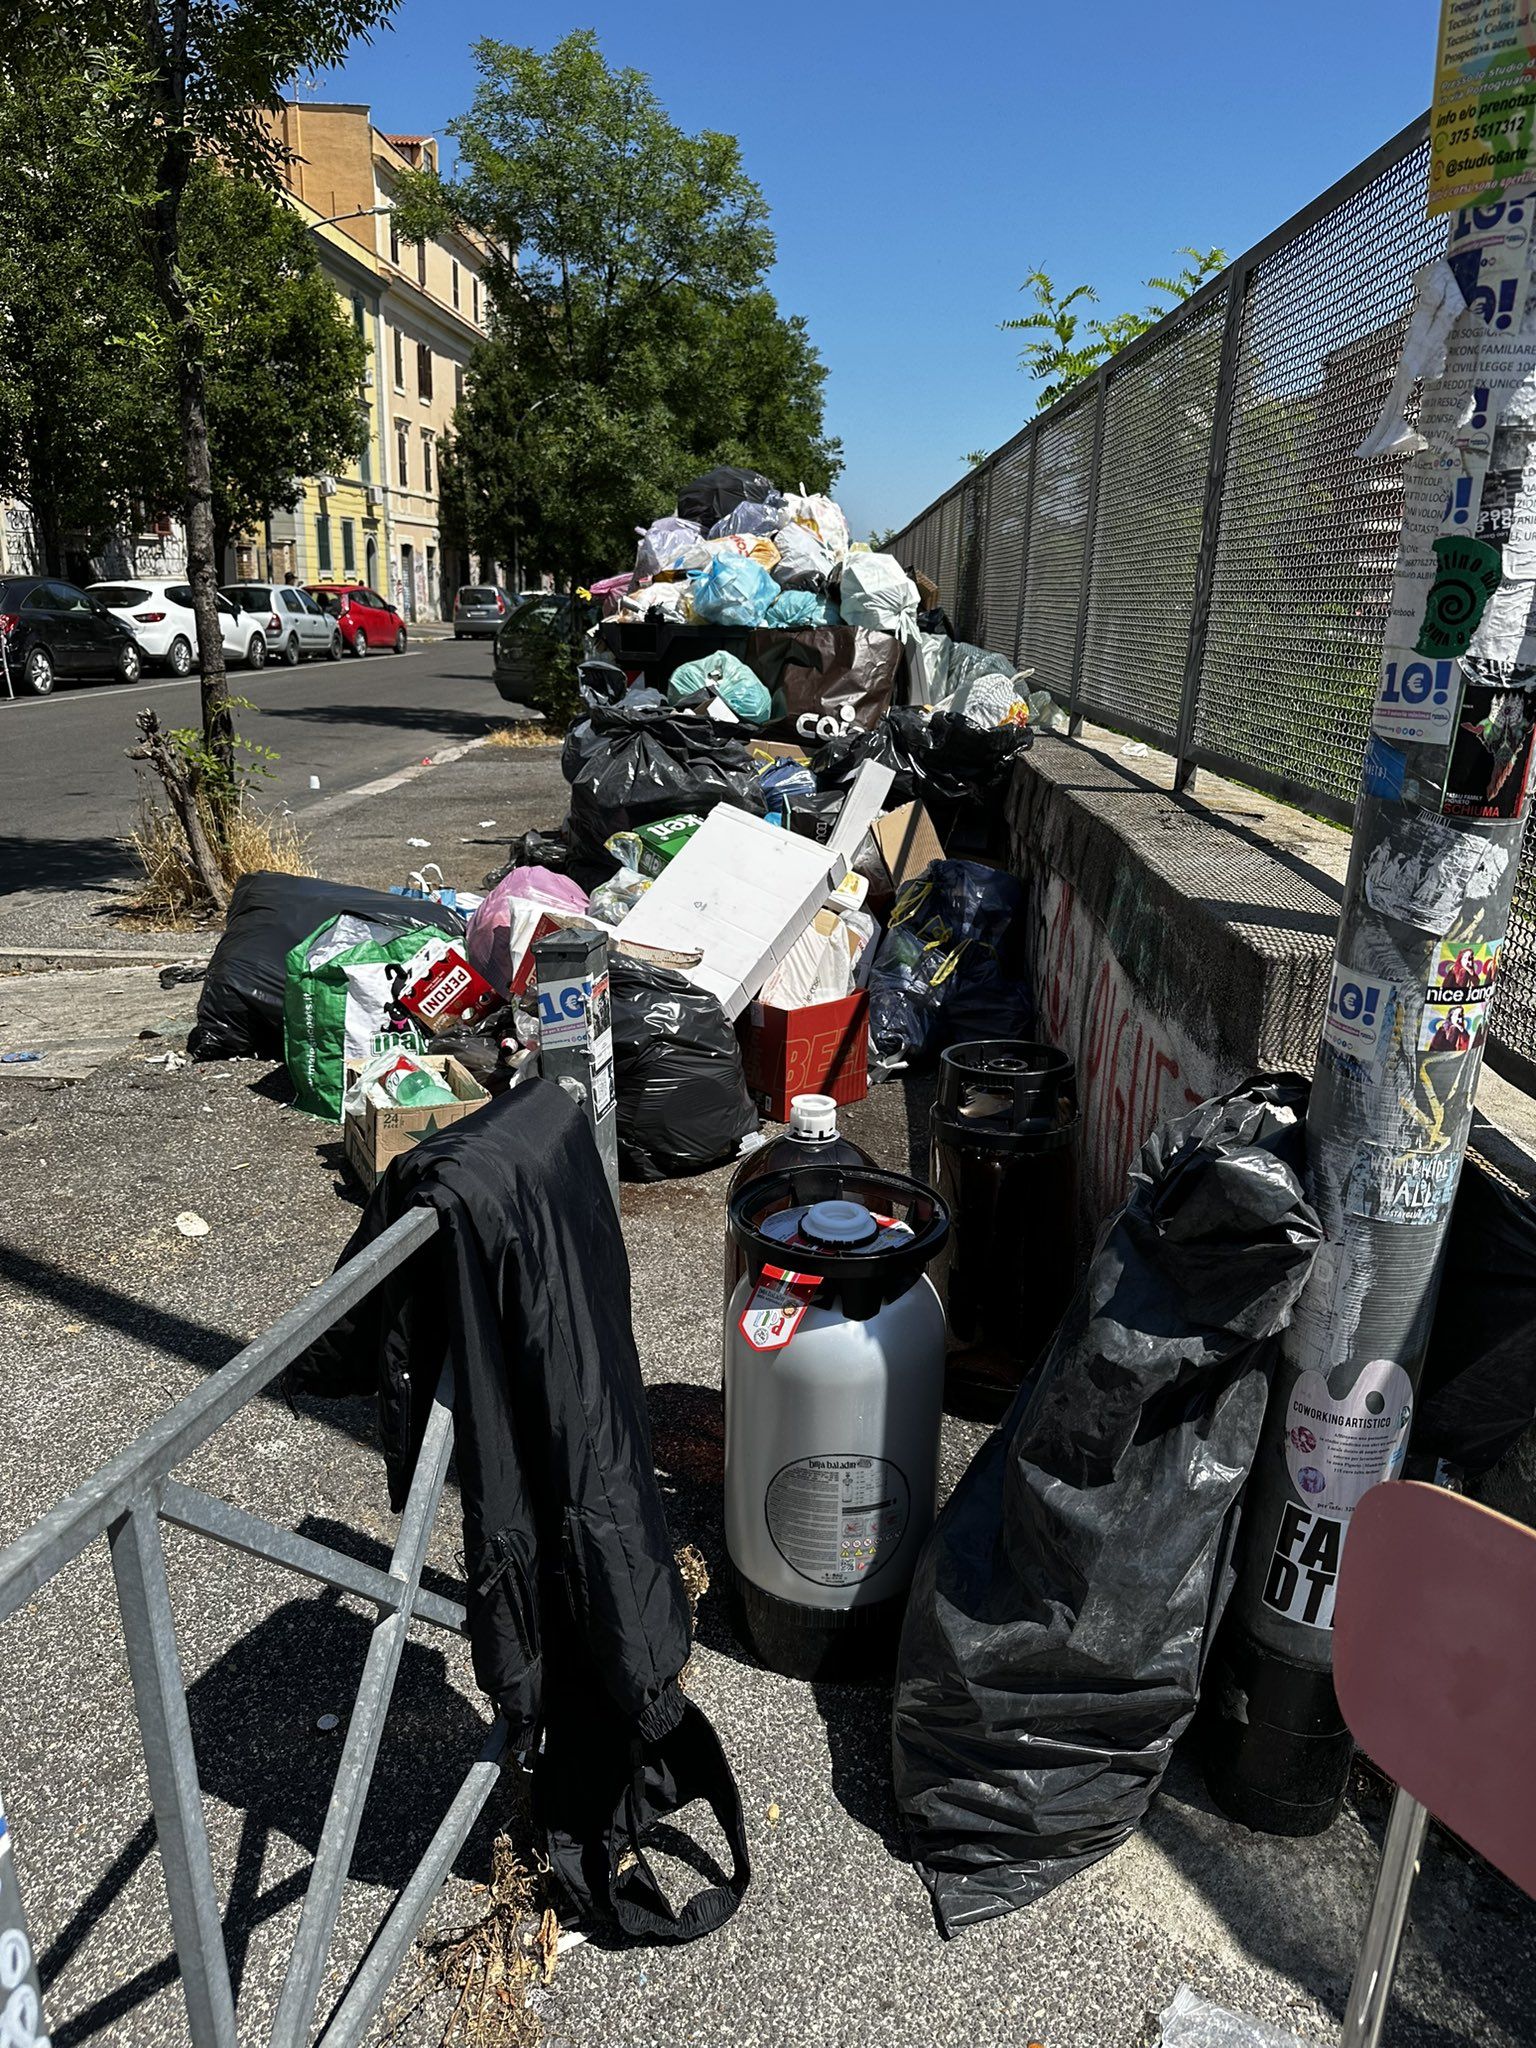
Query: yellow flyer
pixel 1483 125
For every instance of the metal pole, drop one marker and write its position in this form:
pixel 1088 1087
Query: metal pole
pixel 1085 576
pixel 21 1998
pixel 1426 905
pixel 1366 2013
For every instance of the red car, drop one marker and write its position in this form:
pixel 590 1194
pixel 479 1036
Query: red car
pixel 366 619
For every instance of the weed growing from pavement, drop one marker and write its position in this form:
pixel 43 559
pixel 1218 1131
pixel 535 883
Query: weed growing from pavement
pixel 170 896
pixel 531 732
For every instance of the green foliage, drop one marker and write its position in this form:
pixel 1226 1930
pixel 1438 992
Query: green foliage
pixel 632 340
pixel 223 781
pixel 1070 348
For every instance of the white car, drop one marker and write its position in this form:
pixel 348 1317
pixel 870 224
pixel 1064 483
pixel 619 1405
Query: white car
pixel 294 624
pixel 158 612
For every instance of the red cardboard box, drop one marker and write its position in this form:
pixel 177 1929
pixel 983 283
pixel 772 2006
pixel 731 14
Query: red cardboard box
pixel 820 1049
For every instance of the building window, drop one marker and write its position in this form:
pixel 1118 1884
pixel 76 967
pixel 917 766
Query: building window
pixel 394 243
pixel 349 546
pixel 423 370
pixel 359 313
pixel 365 460
pixel 458 383
pixel 455 287
pixel 474 290
pixel 426 462
pixel 399 360
pixel 402 455
pixel 323 543
pixel 421 262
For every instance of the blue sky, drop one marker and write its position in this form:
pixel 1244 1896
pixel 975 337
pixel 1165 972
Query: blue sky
pixel 920 158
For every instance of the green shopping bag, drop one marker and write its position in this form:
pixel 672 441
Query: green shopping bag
pixel 339 1003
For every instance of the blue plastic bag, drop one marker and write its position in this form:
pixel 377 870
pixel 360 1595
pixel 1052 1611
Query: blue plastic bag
pixel 728 678
pixel 733 591
pixel 793 608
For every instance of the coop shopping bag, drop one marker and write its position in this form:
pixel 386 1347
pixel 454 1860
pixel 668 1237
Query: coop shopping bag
pixel 341 1002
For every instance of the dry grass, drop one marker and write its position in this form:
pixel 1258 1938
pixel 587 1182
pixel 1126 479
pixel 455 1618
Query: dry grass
pixel 492 1964
pixel 526 732
pixel 170 897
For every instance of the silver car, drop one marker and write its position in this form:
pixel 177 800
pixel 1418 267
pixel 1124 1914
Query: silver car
pixel 293 623
pixel 478 611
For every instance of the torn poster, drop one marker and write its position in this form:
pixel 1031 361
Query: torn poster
pixel 1359 1013
pixel 1489 771
pixel 1437 300
pixel 1458 999
pixel 1402 1187
pixel 1482 126
pixel 1421 873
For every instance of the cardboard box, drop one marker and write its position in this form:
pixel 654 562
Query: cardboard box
pixel 907 843
pixel 374 1136
pixel 822 1049
pixel 449 994
pixel 742 891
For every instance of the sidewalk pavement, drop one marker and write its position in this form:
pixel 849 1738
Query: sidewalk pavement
pixel 107 1314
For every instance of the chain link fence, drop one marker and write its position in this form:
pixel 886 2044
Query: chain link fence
pixel 1186 547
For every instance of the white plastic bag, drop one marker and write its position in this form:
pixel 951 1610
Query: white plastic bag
pixel 663 543
pixel 805 562
pixel 878 594
pixel 1193 2022
pixel 824 518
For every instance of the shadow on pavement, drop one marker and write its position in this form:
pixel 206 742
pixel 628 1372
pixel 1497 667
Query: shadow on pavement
pixel 260 1751
pixel 27 864
pixel 402 717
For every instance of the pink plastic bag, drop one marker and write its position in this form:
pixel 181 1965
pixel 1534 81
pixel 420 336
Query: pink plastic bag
pixel 501 929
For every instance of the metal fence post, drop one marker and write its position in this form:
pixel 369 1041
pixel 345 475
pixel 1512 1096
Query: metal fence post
pixel 1210 522
pixel 21 2013
pixel 160 1701
pixel 1085 580
pixel 1029 528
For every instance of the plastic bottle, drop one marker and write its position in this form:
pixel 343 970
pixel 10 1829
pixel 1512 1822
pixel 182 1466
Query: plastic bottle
pixel 415 1089
pixel 812 1139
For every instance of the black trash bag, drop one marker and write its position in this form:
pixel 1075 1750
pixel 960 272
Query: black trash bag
pixel 709 497
pixel 937 759
pixel 534 850
pixel 683 1104
pixel 479 1049
pixel 629 768
pixel 1478 1392
pixel 836 764
pixel 240 1011
pixel 1055 1633
pixel 950 964
pixel 601 682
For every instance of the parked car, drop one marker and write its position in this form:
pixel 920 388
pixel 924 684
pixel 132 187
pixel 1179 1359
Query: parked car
pixel 532 663
pixel 478 610
pixel 158 612
pixel 366 619
pixel 293 623
pixel 50 630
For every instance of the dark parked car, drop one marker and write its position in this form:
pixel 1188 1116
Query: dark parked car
pixel 51 630
pixel 478 610
pixel 533 663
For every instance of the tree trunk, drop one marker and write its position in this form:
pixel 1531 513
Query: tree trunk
pixel 181 791
pixel 189 343
pixel 43 503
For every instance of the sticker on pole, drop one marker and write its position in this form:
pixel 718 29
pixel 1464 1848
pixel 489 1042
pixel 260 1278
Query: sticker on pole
pixel 1467 573
pixel 775 1307
pixel 1489 772
pixel 1304 1569
pixel 837 1520
pixel 1359 1013
pixel 1457 1001
pixel 1336 1451
pixel 1401 1187
pixel 1417 701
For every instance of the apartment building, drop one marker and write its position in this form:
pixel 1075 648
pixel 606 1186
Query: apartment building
pixel 430 314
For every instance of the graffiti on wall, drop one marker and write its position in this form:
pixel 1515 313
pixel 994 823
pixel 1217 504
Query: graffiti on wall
pixel 1133 1066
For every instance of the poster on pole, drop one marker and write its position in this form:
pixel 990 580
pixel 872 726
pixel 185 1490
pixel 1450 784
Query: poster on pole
pixel 1482 127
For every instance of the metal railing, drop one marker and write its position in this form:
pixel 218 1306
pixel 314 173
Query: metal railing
pixel 125 1502
pixel 1185 547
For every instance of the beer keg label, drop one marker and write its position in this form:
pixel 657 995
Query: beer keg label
pixel 837 1520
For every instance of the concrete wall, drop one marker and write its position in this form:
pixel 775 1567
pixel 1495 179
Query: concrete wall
pixel 1176 948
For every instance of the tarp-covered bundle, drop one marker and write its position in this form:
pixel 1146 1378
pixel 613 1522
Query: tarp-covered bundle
pixel 1054 1639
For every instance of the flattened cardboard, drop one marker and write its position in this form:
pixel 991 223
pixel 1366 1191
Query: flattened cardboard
pixel 862 805
pixel 907 842
pixel 744 891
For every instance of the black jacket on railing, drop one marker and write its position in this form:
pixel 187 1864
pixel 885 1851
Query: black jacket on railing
pixel 578 1622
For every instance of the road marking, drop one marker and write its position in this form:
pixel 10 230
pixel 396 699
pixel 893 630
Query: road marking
pixel 94 693
pixel 327 806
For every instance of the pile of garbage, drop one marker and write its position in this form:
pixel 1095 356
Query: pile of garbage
pixel 785 797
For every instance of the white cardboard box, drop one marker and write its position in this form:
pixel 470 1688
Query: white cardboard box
pixel 742 890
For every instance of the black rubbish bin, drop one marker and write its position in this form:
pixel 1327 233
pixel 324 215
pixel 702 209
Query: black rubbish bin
pixel 1004 1127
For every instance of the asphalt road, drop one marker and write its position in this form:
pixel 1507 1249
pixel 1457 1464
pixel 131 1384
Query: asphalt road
pixel 67 794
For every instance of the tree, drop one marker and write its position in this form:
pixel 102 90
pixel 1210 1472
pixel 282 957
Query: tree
pixel 1071 348
pixel 285 362
pixel 631 338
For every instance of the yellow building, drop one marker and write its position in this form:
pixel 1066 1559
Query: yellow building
pixel 427 305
